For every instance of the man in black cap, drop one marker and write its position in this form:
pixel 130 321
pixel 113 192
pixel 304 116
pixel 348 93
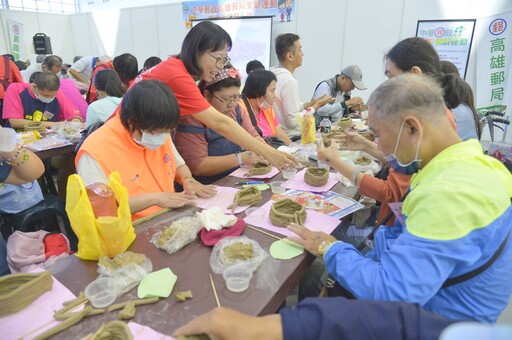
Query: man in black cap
pixel 339 87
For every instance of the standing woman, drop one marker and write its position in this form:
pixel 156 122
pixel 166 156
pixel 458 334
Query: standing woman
pixel 203 55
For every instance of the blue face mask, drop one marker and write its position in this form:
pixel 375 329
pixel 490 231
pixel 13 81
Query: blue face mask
pixel 406 169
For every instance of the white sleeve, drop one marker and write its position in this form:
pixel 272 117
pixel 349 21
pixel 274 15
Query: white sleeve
pixel 90 170
pixel 291 104
pixel 80 64
pixel 179 160
pixel 327 109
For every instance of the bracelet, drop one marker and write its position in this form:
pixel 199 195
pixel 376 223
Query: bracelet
pixel 239 158
pixel 10 159
pixel 353 179
pixel 25 158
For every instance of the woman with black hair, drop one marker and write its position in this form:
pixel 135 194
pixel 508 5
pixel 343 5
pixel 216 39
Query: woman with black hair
pixel 203 55
pixel 110 92
pixel 136 142
pixel 209 155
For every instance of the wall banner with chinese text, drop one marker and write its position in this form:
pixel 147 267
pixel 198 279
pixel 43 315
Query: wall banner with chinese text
pixel 494 63
pixel 16 38
pixel 282 10
pixel 451 38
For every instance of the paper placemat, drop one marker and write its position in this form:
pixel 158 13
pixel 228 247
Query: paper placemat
pixel 224 198
pixel 314 221
pixel 298 183
pixel 38 316
pixel 240 172
pixel 146 333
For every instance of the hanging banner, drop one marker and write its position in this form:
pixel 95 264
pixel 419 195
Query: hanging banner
pixel 281 10
pixel 494 63
pixel 16 39
pixel 451 39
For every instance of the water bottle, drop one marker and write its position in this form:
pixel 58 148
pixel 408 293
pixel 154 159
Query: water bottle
pixel 102 200
pixel 325 125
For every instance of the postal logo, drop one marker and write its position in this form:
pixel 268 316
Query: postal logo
pixel 497 26
pixel 440 32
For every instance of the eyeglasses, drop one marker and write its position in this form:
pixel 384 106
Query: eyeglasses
pixel 226 101
pixel 220 62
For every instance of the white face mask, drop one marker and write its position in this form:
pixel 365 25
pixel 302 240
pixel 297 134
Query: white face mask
pixel 152 141
pixel 264 105
pixel 44 99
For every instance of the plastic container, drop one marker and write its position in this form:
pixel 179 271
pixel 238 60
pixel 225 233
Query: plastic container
pixel 237 278
pixel 8 139
pixel 325 125
pixel 102 292
pixel 277 187
pixel 102 200
pixel 289 173
pixel 323 165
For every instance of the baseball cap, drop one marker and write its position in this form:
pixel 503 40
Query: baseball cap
pixel 354 73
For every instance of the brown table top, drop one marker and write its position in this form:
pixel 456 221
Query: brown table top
pixel 191 265
pixel 44 154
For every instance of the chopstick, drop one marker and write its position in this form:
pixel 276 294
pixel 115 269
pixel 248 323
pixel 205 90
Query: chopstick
pixel 214 291
pixel 150 217
pixel 264 232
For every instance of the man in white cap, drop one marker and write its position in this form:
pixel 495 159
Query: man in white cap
pixel 339 87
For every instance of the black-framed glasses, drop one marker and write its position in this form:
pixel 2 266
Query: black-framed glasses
pixel 220 62
pixel 225 101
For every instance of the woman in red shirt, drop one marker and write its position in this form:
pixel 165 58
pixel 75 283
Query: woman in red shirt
pixel 203 55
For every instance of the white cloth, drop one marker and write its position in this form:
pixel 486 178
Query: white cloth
pixel 287 105
pixel 215 219
pixel 91 171
pixel 101 109
pixel 31 69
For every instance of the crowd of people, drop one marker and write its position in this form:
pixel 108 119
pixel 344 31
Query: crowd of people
pixel 178 125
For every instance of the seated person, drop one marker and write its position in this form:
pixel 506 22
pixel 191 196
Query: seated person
pixel 109 91
pixel 209 155
pixel 253 65
pixel 40 101
pixel 141 150
pixel 17 166
pixel 339 88
pixel 149 63
pixel 453 255
pixel 259 90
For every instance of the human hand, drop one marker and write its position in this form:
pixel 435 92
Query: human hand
pixel 308 239
pixel 174 199
pixel 279 159
pixel 250 158
pixel 355 102
pixel 352 141
pixel 227 324
pixel 327 154
pixel 321 101
pixel 195 188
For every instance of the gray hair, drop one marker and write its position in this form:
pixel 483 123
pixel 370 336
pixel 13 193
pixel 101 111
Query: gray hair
pixel 406 94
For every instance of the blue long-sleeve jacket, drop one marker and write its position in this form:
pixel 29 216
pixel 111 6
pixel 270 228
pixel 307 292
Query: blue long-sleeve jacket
pixel 456 216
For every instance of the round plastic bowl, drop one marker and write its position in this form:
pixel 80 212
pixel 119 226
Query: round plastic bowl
pixel 289 173
pixel 101 292
pixel 277 187
pixel 237 278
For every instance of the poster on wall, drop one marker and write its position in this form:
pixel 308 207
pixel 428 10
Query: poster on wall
pixel 281 10
pixel 16 38
pixel 494 63
pixel 452 39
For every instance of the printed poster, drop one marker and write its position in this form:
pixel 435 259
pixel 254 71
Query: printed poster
pixel 16 38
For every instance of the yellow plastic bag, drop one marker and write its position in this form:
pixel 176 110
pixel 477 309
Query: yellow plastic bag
pixel 105 235
pixel 308 131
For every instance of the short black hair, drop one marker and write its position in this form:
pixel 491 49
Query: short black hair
pixel 257 83
pixel 126 67
pixel 284 44
pixel 149 105
pixel 33 76
pixel 415 51
pixel 21 65
pixel 47 81
pixel 51 61
pixel 203 37
pixel 151 61
pixel 254 65
pixel 108 81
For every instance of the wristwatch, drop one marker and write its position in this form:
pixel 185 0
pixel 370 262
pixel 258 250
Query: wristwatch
pixel 322 247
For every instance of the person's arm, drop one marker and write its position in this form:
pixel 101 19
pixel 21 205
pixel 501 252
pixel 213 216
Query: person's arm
pixel 355 142
pixel 332 107
pixel 20 123
pixel 78 76
pixel 191 186
pixel 214 165
pixel 228 324
pixel 330 155
pixel 231 130
pixel 282 135
pixel 25 165
pixel 68 111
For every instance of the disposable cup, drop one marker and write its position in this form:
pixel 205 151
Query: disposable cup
pixel 237 278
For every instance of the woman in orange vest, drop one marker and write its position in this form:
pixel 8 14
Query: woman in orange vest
pixel 135 141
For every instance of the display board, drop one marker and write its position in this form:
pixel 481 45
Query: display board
pixel 452 39
pixel 251 37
